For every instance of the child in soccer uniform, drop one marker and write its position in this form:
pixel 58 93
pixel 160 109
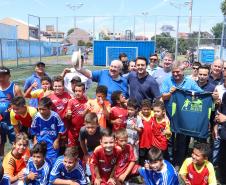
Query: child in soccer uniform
pixel 4 178
pixel 118 114
pixel 126 164
pixel 197 170
pixel 146 135
pixel 134 125
pixel 60 98
pixel 8 90
pixel 40 93
pixel 89 138
pixel 100 105
pixel 104 159
pixel 38 169
pixel 76 110
pixel 158 171
pixel 68 169
pixel 47 127
pixel 161 127
pixel 15 161
pixel 21 115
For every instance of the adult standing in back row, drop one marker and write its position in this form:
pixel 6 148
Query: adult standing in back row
pixel 142 85
pixel 110 78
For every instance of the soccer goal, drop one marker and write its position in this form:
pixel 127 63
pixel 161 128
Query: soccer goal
pixel 112 53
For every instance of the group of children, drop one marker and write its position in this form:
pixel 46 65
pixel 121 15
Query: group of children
pixel 75 140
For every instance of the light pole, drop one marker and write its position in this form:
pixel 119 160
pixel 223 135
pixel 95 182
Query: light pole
pixel 145 15
pixel 74 7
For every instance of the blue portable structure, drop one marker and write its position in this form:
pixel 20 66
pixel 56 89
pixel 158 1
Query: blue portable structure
pixel 106 51
pixel 206 55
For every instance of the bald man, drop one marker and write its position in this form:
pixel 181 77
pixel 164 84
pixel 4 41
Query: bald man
pixel 110 78
pixel 216 76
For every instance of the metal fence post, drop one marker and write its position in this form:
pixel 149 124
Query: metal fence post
pixel 155 27
pixel 57 37
pixel 1 52
pixel 17 63
pixel 134 27
pixel 222 38
pixel 29 44
pixel 176 47
pixel 39 39
pixel 113 22
pixel 94 27
pixel 199 36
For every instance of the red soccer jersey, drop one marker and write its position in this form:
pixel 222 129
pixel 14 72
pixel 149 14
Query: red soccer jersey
pixel 159 139
pixel 127 156
pixel 104 162
pixel 119 112
pixel 202 176
pixel 146 135
pixel 60 103
pixel 77 108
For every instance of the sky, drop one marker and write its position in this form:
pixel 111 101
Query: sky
pixel 123 10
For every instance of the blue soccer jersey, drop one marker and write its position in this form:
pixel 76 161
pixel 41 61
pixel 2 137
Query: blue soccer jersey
pixel 167 176
pixel 43 172
pixel 77 174
pixel 5 180
pixel 47 130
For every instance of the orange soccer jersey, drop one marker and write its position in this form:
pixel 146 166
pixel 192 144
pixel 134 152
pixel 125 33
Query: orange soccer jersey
pixel 12 166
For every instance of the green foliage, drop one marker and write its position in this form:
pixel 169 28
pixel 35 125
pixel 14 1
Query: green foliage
pixel 70 31
pixel 217 31
pixel 106 38
pixel 89 44
pixel 223 7
pixel 81 43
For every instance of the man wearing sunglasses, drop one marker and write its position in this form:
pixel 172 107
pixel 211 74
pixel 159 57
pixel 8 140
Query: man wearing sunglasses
pixel 194 73
pixel 162 73
pixel 153 64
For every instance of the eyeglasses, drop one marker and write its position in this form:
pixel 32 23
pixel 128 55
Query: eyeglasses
pixel 195 68
pixel 153 59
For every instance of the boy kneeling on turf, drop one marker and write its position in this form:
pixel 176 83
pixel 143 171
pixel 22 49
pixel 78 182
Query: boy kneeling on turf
pixel 68 169
pixel 197 169
pixel 126 164
pixel 158 171
pixel 104 160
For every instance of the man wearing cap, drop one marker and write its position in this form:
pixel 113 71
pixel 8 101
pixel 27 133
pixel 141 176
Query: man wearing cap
pixel 8 90
pixel 35 78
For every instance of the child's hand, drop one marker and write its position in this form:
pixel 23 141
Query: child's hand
pixel 86 158
pixel 35 84
pixel 20 175
pixel 111 181
pixel 118 121
pixel 68 114
pixel 32 176
pixel 56 144
pixel 187 182
pixel 97 181
pixel 122 177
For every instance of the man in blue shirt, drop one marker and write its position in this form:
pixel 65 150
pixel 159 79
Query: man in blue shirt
pixel 216 76
pixel 169 85
pixel 142 85
pixel 110 78
pixel 35 77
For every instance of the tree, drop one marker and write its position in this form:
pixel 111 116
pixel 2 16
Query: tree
pixel 106 38
pixel 81 43
pixel 223 7
pixel 70 31
pixel 164 40
pixel 217 31
pixel 89 44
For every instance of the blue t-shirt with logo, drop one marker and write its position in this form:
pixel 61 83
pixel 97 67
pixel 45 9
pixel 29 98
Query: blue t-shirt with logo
pixel 47 130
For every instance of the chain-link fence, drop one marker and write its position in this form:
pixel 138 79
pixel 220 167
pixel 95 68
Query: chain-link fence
pixel 53 39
